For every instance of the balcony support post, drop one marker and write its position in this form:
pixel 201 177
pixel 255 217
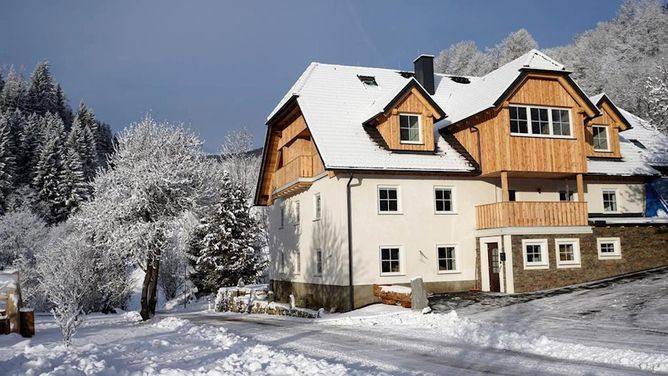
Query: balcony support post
pixel 580 183
pixel 505 194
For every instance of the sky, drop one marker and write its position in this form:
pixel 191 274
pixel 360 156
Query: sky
pixel 219 66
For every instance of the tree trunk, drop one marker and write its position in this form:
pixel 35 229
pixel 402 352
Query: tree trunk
pixel 149 291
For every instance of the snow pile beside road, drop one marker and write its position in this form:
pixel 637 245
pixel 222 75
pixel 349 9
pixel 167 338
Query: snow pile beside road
pixel 171 346
pixel 493 335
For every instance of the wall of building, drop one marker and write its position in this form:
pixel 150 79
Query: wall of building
pixel 630 195
pixel 642 247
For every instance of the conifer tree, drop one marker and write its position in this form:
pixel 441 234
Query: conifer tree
pixel 74 188
pixel 13 92
pixel 2 81
pixel 42 97
pixel 63 108
pixel 7 166
pixel 227 245
pixel 28 148
pixel 104 143
pixel 48 172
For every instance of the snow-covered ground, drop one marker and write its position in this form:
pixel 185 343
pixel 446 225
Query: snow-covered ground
pixel 123 345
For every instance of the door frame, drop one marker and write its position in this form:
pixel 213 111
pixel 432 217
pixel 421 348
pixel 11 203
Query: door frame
pixel 484 262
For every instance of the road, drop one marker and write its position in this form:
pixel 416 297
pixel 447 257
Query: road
pixel 396 353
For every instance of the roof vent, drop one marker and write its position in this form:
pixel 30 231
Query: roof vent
pixel 368 80
pixel 405 74
pixel 460 79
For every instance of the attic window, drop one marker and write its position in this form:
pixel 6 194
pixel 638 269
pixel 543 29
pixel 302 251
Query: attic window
pixel 637 143
pixel 368 80
pixel 460 79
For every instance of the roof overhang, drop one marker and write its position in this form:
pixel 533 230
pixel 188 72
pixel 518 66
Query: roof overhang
pixel 604 98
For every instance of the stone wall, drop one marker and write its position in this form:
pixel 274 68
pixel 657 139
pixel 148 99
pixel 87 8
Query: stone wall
pixel 643 247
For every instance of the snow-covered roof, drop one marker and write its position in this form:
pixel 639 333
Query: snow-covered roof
pixel 642 147
pixel 335 104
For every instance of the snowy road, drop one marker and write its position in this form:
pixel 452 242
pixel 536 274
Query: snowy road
pixel 408 352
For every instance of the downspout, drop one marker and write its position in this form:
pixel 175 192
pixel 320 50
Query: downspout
pixel 351 290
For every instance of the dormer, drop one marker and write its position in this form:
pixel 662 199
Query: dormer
pixel 406 119
pixel 602 132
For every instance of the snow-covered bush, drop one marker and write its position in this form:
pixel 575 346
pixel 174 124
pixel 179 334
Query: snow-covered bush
pixel 21 233
pixel 227 246
pixel 67 276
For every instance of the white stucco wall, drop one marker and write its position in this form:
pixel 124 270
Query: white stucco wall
pixel 630 196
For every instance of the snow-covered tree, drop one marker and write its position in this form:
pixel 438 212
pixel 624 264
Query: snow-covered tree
pixel 46 180
pixel 21 232
pixel 7 163
pixel 513 46
pixel 242 165
pixel 104 143
pixel 13 92
pixel 42 95
pixel 227 245
pixel 74 188
pixel 29 140
pixel 160 172
pixel 656 98
pixel 67 274
pixel 2 80
pixel 81 139
pixel 464 59
pixel 63 108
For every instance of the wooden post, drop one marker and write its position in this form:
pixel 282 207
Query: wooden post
pixel 505 195
pixel 27 322
pixel 580 183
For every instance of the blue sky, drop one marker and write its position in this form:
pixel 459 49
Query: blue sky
pixel 218 66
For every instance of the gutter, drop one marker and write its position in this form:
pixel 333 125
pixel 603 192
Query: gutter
pixel 351 290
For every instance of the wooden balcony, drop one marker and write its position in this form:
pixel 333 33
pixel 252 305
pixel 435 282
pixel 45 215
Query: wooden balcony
pixel 531 214
pixel 295 176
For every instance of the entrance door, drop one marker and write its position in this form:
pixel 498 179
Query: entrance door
pixel 493 264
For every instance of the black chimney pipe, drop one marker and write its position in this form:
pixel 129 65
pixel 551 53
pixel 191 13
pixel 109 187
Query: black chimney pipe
pixel 424 72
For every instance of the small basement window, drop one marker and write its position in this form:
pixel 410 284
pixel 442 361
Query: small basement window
pixel 368 80
pixel 609 248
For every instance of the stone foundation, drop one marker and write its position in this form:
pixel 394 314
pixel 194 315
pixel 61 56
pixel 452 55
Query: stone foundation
pixel 643 247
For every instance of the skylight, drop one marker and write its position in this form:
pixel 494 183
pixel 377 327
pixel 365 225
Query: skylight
pixel 460 79
pixel 368 80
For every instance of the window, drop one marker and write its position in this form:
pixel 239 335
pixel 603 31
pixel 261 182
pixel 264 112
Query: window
pixel 447 258
pixel 297 214
pixel 388 200
pixel 535 254
pixel 317 206
pixel 443 200
pixel 545 121
pixel 600 138
pixel 281 262
pixel 566 196
pixel 298 261
pixel 518 120
pixel 390 261
pixel 609 248
pixel 282 221
pixel 610 201
pixel 318 262
pixel 368 80
pixel 568 253
pixel 409 129
pixel 540 123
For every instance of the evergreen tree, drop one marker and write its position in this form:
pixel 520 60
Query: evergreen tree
pixel 42 95
pixel 48 172
pixel 13 92
pixel 104 143
pixel 2 81
pixel 15 123
pixel 226 246
pixel 7 166
pixel 63 108
pixel 73 185
pixel 29 139
pixel 86 139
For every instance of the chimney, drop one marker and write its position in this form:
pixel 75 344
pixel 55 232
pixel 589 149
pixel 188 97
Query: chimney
pixel 424 72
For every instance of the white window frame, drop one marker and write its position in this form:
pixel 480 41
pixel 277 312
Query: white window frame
pixel 457 268
pixel 401 271
pixel 576 253
pixel 398 189
pixel 609 256
pixel 419 116
pixel 453 208
pixel 550 122
pixel 607 137
pixel 609 190
pixel 319 263
pixel 545 256
pixel 298 261
pixel 297 210
pixel 281 222
pixel 317 206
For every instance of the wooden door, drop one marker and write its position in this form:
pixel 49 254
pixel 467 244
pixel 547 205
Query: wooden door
pixel 493 264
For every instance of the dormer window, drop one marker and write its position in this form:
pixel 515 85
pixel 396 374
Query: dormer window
pixel 600 138
pixel 540 121
pixel 368 80
pixel 410 129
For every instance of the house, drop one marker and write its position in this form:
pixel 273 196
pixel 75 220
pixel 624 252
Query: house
pixel 512 182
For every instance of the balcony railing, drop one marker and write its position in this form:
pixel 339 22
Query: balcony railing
pixel 531 214
pixel 293 176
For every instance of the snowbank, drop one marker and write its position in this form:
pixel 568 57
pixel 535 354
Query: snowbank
pixel 122 344
pixel 492 335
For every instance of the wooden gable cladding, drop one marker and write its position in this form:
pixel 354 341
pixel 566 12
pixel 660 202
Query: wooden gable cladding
pixel 291 156
pixel 614 123
pixel 412 103
pixel 487 138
